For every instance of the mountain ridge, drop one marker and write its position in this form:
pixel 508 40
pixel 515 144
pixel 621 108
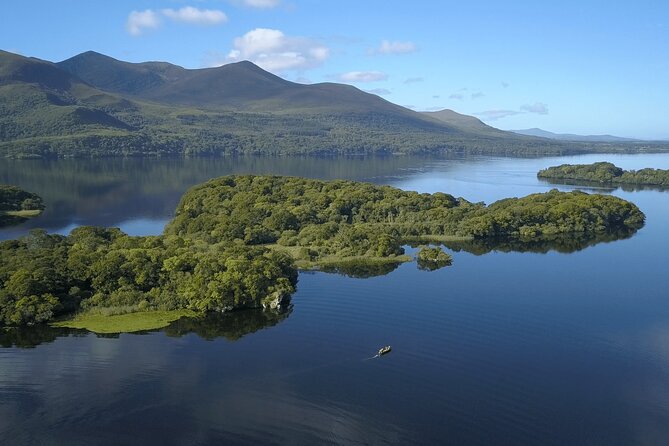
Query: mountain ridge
pixel 95 105
pixel 235 86
pixel 571 137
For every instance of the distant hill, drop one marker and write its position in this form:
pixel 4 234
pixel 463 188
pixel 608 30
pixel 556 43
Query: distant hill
pixel 466 122
pixel 570 137
pixel 95 105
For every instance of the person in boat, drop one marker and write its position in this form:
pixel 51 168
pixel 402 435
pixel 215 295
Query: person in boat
pixel 384 350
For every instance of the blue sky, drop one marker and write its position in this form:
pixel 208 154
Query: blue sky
pixel 586 67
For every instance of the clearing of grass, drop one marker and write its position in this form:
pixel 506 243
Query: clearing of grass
pixel 303 261
pixel 124 323
pixel 25 213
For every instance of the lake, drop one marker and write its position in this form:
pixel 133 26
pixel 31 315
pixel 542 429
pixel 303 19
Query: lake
pixel 554 347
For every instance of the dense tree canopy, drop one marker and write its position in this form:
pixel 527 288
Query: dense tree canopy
pixel 234 241
pixel 350 218
pixel 432 258
pixel 606 173
pixel 13 198
pixel 45 275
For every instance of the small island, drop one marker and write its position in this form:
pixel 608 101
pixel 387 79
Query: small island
pixel 433 258
pixel 237 242
pixel 17 205
pixel 605 173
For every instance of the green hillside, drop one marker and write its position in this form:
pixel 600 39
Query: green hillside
pixel 38 99
pixel 240 86
pixel 94 105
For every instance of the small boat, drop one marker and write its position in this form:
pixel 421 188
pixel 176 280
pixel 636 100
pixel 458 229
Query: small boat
pixel 384 350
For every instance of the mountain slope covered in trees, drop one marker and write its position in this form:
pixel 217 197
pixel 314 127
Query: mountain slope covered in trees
pixel 94 105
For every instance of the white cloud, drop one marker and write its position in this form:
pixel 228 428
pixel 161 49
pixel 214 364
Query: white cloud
pixel 396 47
pixel 261 3
pixel 457 96
pixel 379 91
pixel 413 80
pixel 494 115
pixel 272 50
pixel 362 76
pixel 477 95
pixel 196 16
pixel 538 107
pixel 138 21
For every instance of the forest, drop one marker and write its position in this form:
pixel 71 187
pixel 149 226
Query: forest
pixel 606 173
pixel 13 198
pixel 109 272
pixel 351 218
pixel 432 258
pixel 237 241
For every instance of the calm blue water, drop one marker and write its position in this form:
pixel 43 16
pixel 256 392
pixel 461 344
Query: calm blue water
pixel 499 349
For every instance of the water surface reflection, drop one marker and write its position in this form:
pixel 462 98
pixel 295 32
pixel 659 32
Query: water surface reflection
pixel 523 348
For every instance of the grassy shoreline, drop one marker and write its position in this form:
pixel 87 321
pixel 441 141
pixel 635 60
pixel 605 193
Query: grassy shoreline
pixel 124 323
pixel 333 259
pixel 26 214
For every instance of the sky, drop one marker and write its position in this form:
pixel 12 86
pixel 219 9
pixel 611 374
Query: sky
pixel 584 67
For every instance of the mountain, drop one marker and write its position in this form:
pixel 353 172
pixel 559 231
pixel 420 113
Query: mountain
pixel 236 86
pixel 116 76
pixel 95 105
pixel 570 137
pixel 38 99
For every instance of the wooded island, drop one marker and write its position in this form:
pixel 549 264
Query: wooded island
pixel 605 173
pixel 237 241
pixel 16 205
